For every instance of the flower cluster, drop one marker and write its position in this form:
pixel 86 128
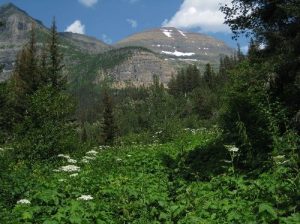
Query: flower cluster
pixel 85 198
pixel 72 161
pixel 24 201
pixel 232 148
pixel 64 156
pixel 92 152
pixel 74 175
pixel 70 168
pixel 280 159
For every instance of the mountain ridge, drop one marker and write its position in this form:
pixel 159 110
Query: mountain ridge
pixel 161 51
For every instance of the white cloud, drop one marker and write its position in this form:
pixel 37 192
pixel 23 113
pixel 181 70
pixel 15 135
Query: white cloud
pixel 106 39
pixel 203 14
pixel 88 3
pixel 76 27
pixel 133 23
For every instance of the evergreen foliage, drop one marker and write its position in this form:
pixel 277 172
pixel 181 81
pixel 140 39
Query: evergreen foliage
pixel 186 81
pixel 55 65
pixel 109 132
pixel 275 26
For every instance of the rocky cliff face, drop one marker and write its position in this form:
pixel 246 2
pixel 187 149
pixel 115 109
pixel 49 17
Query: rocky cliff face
pixel 140 68
pixel 16 25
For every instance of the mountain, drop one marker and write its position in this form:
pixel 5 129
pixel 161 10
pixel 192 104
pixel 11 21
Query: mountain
pixel 13 34
pixel 15 31
pixel 175 44
pixel 134 60
pixel 86 43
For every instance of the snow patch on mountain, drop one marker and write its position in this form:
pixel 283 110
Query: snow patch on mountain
pixel 166 32
pixel 187 59
pixel 178 53
pixel 182 33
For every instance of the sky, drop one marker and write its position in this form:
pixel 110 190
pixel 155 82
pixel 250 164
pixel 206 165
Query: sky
pixel 113 20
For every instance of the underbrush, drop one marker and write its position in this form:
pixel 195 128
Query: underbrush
pixel 188 180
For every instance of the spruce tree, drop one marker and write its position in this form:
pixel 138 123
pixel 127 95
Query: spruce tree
pixel 55 65
pixel 26 72
pixel 109 132
pixel 208 75
pixel 1 65
pixel 26 78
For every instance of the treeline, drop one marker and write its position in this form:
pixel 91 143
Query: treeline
pixel 192 99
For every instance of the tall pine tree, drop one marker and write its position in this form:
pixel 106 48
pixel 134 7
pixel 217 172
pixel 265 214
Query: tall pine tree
pixel 26 78
pixel 55 65
pixel 109 132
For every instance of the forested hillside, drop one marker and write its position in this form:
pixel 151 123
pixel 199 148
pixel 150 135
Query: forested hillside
pixel 216 145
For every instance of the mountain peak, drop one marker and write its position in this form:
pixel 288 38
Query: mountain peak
pixel 175 44
pixel 12 16
pixel 11 8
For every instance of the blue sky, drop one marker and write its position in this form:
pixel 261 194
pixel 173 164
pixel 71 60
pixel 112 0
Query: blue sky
pixel 113 20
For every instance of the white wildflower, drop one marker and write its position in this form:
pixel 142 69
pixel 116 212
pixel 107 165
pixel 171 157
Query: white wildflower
pixel 119 160
pixel 129 155
pixel 92 152
pixel 89 158
pixel 70 168
pixel 61 180
pixel 64 156
pixel 85 161
pixel 85 198
pixel 24 201
pixel 279 157
pixel 74 175
pixel 72 161
pixel 232 148
pixel 226 161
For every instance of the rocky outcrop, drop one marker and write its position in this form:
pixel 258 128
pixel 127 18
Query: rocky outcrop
pixel 14 31
pixel 140 68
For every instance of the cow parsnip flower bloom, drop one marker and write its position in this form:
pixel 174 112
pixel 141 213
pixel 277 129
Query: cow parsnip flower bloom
pixel 85 198
pixel 24 201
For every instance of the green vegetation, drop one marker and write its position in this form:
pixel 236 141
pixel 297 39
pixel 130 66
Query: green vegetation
pixel 214 147
pixel 152 183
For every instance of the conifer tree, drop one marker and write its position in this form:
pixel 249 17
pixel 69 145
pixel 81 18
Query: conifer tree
pixel 26 72
pixel 239 54
pixel 208 75
pixel 1 65
pixel 109 128
pixel 55 65
pixel 26 78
